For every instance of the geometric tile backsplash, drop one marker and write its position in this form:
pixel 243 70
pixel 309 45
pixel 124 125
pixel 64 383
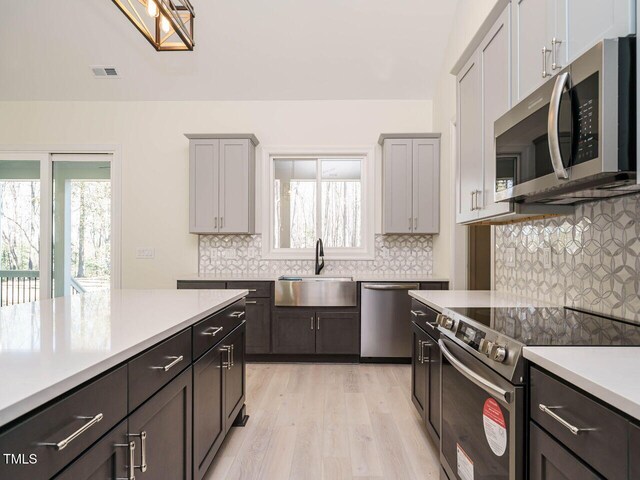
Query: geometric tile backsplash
pixel 595 258
pixel 393 254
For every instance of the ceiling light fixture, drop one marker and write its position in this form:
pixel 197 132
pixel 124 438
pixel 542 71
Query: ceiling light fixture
pixel 166 24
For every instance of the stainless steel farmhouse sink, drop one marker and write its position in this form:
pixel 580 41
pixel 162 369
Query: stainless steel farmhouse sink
pixel 315 291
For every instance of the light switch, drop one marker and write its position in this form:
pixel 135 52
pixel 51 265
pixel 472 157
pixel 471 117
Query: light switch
pixel 510 261
pixel 546 258
pixel 145 253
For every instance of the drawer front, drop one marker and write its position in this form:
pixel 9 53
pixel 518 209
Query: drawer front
pixel 80 418
pixel 211 330
pixel 149 372
pixel 604 447
pixel 200 285
pixel 425 317
pixel 256 289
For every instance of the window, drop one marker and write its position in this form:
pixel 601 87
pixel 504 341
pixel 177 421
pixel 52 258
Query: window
pixel 324 196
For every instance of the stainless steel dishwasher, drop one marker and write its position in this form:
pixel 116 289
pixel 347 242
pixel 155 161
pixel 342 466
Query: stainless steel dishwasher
pixel 385 319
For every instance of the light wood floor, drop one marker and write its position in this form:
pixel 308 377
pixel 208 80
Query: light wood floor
pixel 314 421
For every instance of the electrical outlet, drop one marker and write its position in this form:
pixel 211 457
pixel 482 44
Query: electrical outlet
pixel 229 254
pixel 145 253
pixel 510 261
pixel 546 258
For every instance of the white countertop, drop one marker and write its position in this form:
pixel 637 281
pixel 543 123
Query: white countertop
pixel 271 277
pixel 441 299
pixel 52 346
pixel 608 373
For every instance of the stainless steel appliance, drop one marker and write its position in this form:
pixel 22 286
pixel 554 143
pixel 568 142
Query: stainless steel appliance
pixel 484 381
pixel 384 319
pixel 316 291
pixel 574 139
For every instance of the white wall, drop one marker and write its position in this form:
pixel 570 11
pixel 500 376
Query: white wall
pixel 449 246
pixel 155 156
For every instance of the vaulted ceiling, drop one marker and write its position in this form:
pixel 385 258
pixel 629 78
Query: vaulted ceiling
pixel 245 50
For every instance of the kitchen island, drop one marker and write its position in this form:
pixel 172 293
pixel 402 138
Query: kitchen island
pixel 135 365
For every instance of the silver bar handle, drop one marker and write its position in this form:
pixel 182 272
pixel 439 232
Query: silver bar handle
pixel 553 125
pixel 545 74
pixel 478 192
pixel 419 351
pixel 481 382
pixel 214 331
pixel 410 223
pixel 221 222
pixel 554 54
pixel 392 286
pixel 311 323
pixel 62 444
pixel 131 447
pixel 215 222
pixel 252 290
pixel 166 368
pixel 572 428
pixel 418 313
pixel 238 314
pixel 473 192
pixel 318 322
pixel 250 302
pixel 415 223
pixel 143 450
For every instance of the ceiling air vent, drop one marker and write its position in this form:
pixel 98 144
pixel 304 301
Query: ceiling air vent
pixel 104 72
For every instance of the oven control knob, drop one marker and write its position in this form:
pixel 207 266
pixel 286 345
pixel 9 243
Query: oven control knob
pixel 485 346
pixel 445 322
pixel 499 353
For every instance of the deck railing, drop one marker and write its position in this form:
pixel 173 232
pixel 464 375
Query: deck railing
pixel 19 286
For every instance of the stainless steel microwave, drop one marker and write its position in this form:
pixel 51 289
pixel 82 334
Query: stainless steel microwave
pixel 574 139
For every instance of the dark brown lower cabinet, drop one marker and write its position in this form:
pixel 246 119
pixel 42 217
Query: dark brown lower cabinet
pixel 419 370
pixel 258 325
pixel 234 375
pixel 548 460
pixel 161 430
pixel 294 331
pixel 208 414
pixel 107 459
pixel 337 333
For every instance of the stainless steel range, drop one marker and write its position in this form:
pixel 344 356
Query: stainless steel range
pixel 484 379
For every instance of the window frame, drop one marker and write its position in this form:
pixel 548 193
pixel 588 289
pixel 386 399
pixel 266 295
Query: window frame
pixel 367 156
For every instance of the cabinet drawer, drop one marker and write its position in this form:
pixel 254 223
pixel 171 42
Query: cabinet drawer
pixel 149 372
pixel 256 289
pixel 425 317
pixel 200 285
pixel 80 418
pixel 604 447
pixel 211 330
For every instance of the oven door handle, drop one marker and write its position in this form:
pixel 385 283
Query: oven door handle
pixel 478 380
pixel 553 126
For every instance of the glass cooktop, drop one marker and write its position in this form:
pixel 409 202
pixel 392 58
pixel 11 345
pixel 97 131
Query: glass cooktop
pixel 543 326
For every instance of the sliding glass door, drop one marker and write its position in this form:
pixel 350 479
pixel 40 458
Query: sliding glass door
pixel 56 225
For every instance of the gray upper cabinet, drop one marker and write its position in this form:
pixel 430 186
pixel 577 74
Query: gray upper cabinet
pixel 222 183
pixel 496 100
pixel 564 29
pixel 411 183
pixel 469 128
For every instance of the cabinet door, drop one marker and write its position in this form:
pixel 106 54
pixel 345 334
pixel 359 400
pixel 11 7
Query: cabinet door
pixel 234 376
pixel 580 24
pixel 496 100
pixel 338 333
pixel 634 451
pixel 234 186
pixel 258 325
pixel 398 198
pixel 166 421
pixel 419 370
pixel 203 186
pixel 294 331
pixel 548 460
pixel 532 30
pixel 434 415
pixel 107 459
pixel 426 185
pixel 469 126
pixel 208 414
